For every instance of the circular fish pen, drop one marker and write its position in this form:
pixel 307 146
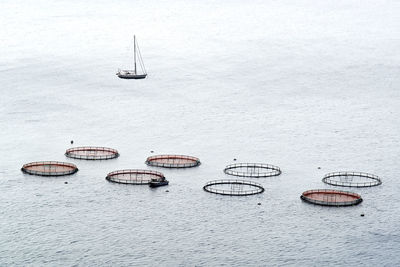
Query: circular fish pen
pixel 49 168
pixel 328 197
pixel 91 153
pixel 135 176
pixel 173 161
pixel 352 179
pixel 255 170
pixel 233 187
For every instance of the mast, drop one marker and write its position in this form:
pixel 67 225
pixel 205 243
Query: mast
pixel 134 50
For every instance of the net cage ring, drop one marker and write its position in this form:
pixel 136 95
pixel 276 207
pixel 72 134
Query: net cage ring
pixel 255 170
pixel 49 168
pixel 91 153
pixel 352 179
pixel 233 187
pixel 329 197
pixel 173 161
pixel 134 176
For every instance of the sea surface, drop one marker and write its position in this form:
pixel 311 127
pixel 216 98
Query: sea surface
pixel 310 86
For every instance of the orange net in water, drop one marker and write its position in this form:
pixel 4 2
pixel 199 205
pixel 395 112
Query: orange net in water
pixel 173 161
pixel 328 197
pixel 134 176
pixel 49 168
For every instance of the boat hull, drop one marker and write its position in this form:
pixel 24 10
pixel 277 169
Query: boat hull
pixel 131 76
pixel 158 184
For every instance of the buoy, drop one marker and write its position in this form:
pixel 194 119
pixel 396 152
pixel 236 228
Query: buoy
pixel 258 203
pixel 72 141
pixel 362 215
pixel 319 168
pixel 65 182
pixel 152 151
pixel 234 159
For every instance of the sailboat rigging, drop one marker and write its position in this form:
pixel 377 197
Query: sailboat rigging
pixel 137 58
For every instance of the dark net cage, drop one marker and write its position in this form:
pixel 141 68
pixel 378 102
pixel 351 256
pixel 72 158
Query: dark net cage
pixel 49 168
pixel 173 161
pixel 328 197
pixel 233 187
pixel 92 153
pixel 352 179
pixel 134 176
pixel 255 170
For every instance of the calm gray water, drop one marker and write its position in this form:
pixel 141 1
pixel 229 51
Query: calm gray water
pixel 298 84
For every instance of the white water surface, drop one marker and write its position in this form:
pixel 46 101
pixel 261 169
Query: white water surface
pixel 299 84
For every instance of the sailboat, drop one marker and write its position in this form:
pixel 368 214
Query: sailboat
pixel 137 57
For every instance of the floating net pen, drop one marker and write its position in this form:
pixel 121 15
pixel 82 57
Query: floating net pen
pixel 173 161
pixel 49 168
pixel 92 153
pixel 255 170
pixel 327 197
pixel 352 179
pixel 233 187
pixel 134 176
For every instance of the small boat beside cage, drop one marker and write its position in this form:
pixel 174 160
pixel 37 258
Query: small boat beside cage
pixel 158 182
pixel 137 58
